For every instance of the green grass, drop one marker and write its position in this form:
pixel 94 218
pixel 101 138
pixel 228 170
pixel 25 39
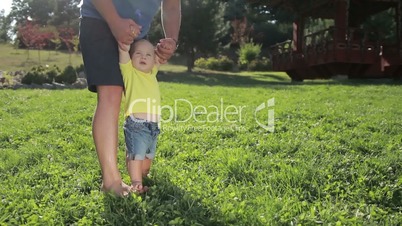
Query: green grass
pixel 12 59
pixel 334 158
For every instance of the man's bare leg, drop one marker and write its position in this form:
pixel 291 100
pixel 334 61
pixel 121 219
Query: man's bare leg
pixel 105 135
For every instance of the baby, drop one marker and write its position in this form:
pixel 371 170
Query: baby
pixel 139 67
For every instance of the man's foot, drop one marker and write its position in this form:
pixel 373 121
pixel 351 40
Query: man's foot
pixel 119 189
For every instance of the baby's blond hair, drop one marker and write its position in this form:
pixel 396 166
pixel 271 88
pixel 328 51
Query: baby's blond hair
pixel 134 44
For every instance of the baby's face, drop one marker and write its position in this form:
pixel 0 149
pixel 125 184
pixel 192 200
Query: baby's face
pixel 143 57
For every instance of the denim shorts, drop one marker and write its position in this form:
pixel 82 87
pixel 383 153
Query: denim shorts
pixel 141 137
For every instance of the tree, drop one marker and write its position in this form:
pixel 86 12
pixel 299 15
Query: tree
pixel 382 25
pixel 66 13
pixel 27 35
pixel 38 11
pixel 58 13
pixel 257 22
pixel 34 36
pixel 5 26
pixel 202 28
pixel 41 11
pixel 235 12
pixel 69 38
pixel 20 11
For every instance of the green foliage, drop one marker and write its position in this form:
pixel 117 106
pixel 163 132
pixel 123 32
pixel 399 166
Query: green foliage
pixel 53 72
pixel 201 63
pixel 220 64
pixel 41 74
pixel 5 26
pixel 68 76
pixel 268 33
pixel 8 79
pixel 80 68
pixel 201 29
pixel 263 64
pixel 269 25
pixel 46 14
pixel 382 24
pixel 235 9
pixel 247 53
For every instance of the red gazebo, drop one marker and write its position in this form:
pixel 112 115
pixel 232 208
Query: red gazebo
pixel 344 48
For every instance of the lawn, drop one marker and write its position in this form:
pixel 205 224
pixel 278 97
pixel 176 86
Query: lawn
pixel 12 59
pixel 334 157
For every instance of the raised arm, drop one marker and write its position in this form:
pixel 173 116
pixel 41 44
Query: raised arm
pixel 124 55
pixel 171 20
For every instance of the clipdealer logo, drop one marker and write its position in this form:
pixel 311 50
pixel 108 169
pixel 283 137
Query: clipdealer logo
pixel 268 106
pixel 183 111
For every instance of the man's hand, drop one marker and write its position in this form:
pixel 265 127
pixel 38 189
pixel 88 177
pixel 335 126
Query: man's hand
pixel 125 30
pixel 165 49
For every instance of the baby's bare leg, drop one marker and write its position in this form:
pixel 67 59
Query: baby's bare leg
pixel 134 168
pixel 146 166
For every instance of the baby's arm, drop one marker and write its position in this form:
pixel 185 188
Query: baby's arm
pixel 157 62
pixel 124 56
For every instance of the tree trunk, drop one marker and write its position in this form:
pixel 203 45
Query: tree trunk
pixel 190 59
pixel 39 55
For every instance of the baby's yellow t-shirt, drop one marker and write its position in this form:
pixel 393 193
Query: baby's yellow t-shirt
pixel 141 90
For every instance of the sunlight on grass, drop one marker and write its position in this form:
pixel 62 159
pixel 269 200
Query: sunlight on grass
pixel 334 157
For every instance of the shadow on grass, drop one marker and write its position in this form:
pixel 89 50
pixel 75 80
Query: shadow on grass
pixel 164 204
pixel 258 79
pixel 222 79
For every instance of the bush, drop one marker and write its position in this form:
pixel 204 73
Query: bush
pixel 37 75
pixel 225 64
pixel 53 72
pixel 8 78
pixel 247 53
pixel 263 64
pixel 80 68
pixel 68 76
pixel 201 63
pixel 212 63
pixel 40 74
pixel 220 64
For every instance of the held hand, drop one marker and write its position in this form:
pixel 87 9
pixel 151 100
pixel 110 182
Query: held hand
pixel 125 30
pixel 165 49
pixel 123 47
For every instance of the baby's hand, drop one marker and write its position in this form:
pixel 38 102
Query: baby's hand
pixel 124 47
